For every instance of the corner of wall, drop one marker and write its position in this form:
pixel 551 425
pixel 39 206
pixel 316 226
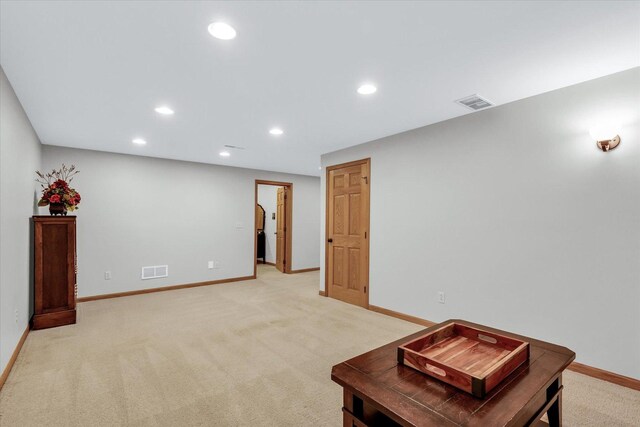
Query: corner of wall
pixel 21 156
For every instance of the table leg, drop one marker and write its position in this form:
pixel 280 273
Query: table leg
pixel 347 420
pixel 353 410
pixel 555 410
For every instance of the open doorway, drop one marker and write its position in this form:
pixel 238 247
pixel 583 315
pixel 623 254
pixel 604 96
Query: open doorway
pixel 273 219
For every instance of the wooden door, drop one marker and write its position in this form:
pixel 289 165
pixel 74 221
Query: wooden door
pixel 281 229
pixel 347 248
pixel 260 217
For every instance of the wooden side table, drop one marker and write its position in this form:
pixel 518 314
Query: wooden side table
pixel 379 391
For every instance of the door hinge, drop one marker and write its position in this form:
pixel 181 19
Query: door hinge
pixel 365 289
pixel 365 234
pixel 366 179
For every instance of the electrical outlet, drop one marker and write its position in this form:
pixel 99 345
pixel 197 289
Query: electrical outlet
pixel 15 313
pixel 107 275
pixel 441 297
pixel 216 264
pixel 210 265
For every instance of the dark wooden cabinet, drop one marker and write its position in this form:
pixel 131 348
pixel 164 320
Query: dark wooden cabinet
pixel 55 271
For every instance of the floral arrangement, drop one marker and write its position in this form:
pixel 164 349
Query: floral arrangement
pixel 56 190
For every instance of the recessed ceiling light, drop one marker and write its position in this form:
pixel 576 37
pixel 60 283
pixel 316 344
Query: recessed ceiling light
pixel 164 110
pixel 222 31
pixel 225 154
pixel 276 131
pixel 139 141
pixel 367 89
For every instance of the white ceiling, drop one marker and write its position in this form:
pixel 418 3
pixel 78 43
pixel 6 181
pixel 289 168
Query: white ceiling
pixel 89 74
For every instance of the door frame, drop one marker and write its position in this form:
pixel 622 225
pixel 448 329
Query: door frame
pixel 366 161
pixel 288 224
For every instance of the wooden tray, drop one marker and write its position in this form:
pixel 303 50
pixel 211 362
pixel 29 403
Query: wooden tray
pixel 470 359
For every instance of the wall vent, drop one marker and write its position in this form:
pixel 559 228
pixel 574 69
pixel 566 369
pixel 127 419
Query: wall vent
pixel 154 272
pixel 475 102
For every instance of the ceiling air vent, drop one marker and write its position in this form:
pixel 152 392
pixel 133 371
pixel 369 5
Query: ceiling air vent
pixel 474 102
pixel 155 272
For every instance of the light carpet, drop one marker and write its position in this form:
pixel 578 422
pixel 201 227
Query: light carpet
pixel 258 352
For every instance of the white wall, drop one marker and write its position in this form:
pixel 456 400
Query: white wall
pixel 139 211
pixel 19 159
pixel 268 199
pixel 518 218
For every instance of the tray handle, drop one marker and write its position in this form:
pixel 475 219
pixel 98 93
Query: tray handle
pixel 487 338
pixel 435 370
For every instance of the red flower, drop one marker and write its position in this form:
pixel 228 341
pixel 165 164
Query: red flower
pixel 54 199
pixel 60 183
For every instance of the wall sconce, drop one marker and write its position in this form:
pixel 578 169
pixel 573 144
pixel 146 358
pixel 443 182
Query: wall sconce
pixel 606 138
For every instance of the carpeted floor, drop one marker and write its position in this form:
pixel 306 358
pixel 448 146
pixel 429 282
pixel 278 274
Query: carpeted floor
pixel 248 353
